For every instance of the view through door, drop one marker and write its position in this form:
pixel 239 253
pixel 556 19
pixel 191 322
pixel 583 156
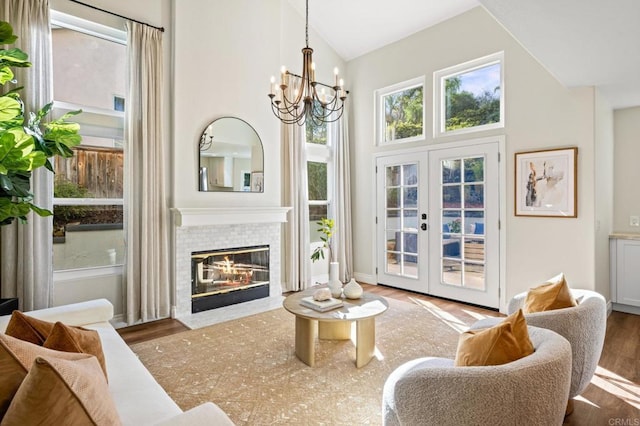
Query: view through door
pixel 438 222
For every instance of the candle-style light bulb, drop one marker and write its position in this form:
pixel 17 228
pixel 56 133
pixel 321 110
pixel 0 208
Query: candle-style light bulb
pixel 312 77
pixel 273 85
pixel 335 72
pixel 283 75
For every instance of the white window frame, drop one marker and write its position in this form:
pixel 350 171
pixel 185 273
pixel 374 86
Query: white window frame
pixel 439 101
pixel 379 110
pixel 109 124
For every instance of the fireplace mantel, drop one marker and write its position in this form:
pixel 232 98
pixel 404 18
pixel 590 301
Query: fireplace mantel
pixel 184 217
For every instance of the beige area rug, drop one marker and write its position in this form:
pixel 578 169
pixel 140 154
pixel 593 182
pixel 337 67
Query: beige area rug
pixel 248 366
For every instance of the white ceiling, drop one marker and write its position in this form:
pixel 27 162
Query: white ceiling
pixel 580 42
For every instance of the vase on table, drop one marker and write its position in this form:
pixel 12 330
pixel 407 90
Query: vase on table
pixel 335 285
pixel 353 290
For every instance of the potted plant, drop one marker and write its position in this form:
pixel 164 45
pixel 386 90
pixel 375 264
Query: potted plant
pixel 326 229
pixel 25 143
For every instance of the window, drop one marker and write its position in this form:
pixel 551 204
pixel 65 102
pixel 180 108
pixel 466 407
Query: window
pixel 470 97
pixel 89 66
pixel 318 172
pixel 400 112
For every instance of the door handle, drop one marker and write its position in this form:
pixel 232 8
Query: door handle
pixel 423 226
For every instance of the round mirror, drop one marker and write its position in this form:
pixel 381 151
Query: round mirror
pixel 231 157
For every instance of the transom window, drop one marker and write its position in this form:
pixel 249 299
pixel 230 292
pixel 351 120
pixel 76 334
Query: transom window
pixel 470 96
pixel 400 112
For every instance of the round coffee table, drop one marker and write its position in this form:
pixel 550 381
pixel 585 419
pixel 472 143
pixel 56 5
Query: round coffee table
pixel 336 324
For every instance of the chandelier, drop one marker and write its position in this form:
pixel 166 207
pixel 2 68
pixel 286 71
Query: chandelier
pixel 306 102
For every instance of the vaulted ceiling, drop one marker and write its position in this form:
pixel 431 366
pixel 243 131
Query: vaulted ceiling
pixel 580 42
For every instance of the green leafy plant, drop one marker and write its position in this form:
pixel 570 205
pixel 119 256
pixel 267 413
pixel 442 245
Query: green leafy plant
pixel 25 143
pixel 326 229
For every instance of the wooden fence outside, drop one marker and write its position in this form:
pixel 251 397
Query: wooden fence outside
pixel 99 170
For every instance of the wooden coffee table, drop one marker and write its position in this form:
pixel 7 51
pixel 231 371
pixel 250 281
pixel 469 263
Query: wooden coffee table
pixel 336 325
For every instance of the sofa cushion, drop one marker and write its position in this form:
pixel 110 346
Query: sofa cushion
pixel 76 339
pixel 553 294
pixel 503 343
pixel 16 358
pixel 27 328
pixel 62 391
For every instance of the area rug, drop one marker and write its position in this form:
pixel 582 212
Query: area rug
pixel 248 366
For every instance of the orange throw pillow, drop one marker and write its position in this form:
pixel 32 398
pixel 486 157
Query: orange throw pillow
pixel 60 391
pixel 16 358
pixel 505 342
pixel 27 328
pixel 76 339
pixel 554 294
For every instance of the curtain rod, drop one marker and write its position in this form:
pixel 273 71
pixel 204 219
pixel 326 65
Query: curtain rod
pixel 115 14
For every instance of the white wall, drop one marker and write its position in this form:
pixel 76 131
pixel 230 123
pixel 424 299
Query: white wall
pixel 627 170
pixel 540 113
pixel 223 59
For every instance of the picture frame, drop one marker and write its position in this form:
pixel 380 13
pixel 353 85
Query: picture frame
pixel 546 183
pixel 257 181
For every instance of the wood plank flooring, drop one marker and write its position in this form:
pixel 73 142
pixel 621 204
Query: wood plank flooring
pixel 612 398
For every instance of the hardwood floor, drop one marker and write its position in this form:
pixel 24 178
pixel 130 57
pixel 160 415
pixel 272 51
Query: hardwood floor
pixel 612 398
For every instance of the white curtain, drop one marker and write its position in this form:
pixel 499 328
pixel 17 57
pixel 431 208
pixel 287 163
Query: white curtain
pixel 297 260
pixel 26 250
pixel 147 261
pixel 342 241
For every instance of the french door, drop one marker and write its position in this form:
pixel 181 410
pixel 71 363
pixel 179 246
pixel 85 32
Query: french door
pixel 438 222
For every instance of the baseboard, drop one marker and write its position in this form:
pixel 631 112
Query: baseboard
pixel 365 278
pixel 628 309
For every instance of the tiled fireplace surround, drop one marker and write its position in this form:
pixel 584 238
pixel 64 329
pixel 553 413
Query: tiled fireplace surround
pixel 200 229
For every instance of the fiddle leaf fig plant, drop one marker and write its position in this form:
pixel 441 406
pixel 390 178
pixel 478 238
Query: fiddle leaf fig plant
pixel 25 144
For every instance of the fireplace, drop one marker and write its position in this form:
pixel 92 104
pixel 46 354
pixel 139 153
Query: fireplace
pixel 228 276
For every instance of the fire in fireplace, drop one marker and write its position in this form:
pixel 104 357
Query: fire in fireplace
pixel 226 277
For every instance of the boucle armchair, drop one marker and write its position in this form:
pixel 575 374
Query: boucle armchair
pixel 584 326
pixel 531 390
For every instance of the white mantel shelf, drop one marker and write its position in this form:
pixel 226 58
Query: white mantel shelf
pixel 184 217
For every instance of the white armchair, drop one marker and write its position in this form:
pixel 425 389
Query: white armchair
pixel 584 326
pixel 533 389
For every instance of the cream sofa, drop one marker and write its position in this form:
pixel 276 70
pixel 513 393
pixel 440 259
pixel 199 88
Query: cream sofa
pixel 139 399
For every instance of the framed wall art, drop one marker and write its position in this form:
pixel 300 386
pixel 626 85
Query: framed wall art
pixel 546 183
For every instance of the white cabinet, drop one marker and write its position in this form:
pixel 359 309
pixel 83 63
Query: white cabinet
pixel 625 270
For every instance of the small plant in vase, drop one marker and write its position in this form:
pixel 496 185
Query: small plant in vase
pixel 326 229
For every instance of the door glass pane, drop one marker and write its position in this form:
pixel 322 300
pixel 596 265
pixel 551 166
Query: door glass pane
pixel 451 197
pixel 452 272
pixel 410 196
pixel 410 266
pixel 393 176
pixel 393 198
pixel 451 171
pixel 393 219
pixel 451 247
pixel 474 276
pixel 410 174
pixel 474 169
pixel 451 222
pixel 474 196
pixel 474 249
pixel 410 219
pixel 474 222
